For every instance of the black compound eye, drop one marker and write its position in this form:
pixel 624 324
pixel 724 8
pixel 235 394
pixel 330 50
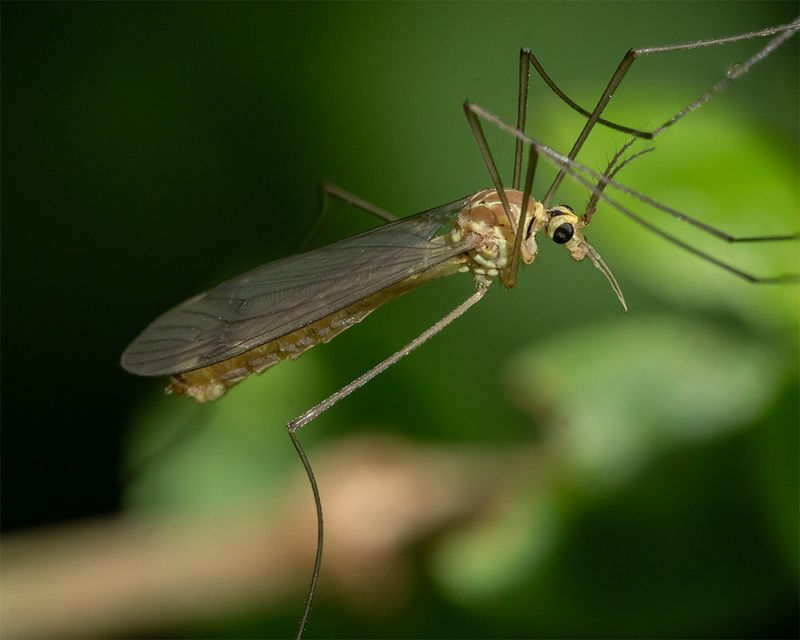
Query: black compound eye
pixel 563 233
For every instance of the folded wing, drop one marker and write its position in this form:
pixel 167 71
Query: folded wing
pixel 282 296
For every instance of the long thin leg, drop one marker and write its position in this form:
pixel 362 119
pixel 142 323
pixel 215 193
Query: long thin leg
pixel 328 189
pixel 531 59
pixel 486 154
pixel 533 156
pixel 522 111
pixel 573 167
pixel 526 60
pixel 302 420
pixel 312 589
pixel 784 32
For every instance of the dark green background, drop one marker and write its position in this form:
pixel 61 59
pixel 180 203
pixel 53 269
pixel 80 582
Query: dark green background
pixel 151 150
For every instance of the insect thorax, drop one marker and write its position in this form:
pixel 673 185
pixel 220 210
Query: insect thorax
pixel 485 217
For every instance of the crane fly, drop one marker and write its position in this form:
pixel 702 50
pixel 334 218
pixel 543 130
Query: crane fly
pixel 278 311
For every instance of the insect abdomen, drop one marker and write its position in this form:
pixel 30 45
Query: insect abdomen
pixel 211 383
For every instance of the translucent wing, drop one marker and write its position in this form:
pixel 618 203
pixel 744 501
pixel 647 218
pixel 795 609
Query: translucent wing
pixel 282 296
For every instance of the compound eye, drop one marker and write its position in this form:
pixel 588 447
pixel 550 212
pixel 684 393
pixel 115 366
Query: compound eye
pixel 563 233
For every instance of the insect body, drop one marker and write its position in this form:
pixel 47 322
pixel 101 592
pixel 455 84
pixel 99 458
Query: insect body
pixel 280 310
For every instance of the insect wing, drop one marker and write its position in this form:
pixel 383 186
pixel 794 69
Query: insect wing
pixel 282 296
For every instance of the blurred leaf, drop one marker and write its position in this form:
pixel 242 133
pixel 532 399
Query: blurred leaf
pixel 625 408
pixel 623 391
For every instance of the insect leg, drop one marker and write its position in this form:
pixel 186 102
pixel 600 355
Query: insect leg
pixel 614 167
pixel 522 112
pixel 326 189
pixel 784 32
pixel 305 418
pixel 526 60
pixel 533 157
pixel 320 533
pixel 488 160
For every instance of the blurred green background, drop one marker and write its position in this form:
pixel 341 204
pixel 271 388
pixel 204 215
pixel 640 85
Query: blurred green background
pixel 151 150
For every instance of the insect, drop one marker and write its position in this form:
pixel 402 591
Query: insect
pixel 280 310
